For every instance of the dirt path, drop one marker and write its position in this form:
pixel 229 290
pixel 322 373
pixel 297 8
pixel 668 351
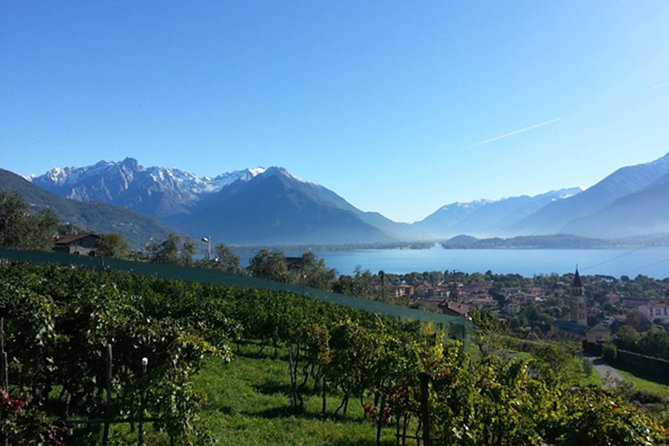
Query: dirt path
pixel 605 370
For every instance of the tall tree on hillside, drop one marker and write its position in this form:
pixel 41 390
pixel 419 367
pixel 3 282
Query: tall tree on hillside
pixel 187 252
pixel 43 228
pixel 172 251
pixel 113 244
pixel 312 272
pixel 226 259
pixel 270 264
pixel 13 219
pixel 19 228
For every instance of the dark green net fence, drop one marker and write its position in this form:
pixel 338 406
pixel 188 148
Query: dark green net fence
pixel 457 326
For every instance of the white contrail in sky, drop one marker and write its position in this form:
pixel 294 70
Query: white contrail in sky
pixel 515 132
pixel 658 86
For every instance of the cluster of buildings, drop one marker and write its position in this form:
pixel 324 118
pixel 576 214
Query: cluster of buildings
pixel 458 298
pixel 452 297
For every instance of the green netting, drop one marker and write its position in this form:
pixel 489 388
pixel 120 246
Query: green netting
pixel 458 326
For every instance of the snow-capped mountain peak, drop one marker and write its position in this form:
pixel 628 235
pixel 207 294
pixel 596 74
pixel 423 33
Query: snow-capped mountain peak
pixel 220 181
pixel 275 170
pixel 153 190
pixel 465 205
pixel 129 168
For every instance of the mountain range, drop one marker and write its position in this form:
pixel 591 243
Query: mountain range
pixel 630 192
pixel 263 206
pixel 487 218
pixel 96 216
pixel 155 191
pixel 248 207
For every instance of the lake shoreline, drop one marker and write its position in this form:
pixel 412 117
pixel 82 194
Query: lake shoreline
pixel 538 242
pixel 650 261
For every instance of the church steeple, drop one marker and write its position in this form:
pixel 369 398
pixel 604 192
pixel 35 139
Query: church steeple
pixel 579 310
pixel 577 280
pixel 577 285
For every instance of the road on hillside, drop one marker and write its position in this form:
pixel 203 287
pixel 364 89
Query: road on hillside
pixel 605 370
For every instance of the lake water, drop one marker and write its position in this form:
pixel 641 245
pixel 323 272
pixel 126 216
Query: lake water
pixel 653 262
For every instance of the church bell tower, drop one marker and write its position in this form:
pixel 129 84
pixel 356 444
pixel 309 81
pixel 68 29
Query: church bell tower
pixel 579 309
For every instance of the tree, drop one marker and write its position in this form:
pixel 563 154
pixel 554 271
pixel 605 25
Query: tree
pixel 172 251
pixel 186 253
pixel 628 337
pixel 655 344
pixel 270 264
pixel 610 352
pixel 312 272
pixel 226 259
pixel 13 211
pixel 113 244
pixel 638 321
pixel 21 229
pixel 43 226
pixel 362 282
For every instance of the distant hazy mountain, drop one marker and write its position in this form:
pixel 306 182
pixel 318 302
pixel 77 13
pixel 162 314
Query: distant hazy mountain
pixel 92 216
pixel 154 191
pixel 558 241
pixel 271 206
pixel 253 206
pixel 644 212
pixel 278 208
pixel 487 218
pixel 555 217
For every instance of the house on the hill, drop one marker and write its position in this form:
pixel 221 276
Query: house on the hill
pixel 654 311
pixel 568 330
pixel 598 334
pixel 576 332
pixel 457 309
pixel 403 290
pixel 82 244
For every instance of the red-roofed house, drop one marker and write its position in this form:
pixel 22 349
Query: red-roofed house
pixel 83 244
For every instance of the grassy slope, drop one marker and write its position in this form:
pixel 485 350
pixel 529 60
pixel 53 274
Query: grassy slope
pixel 644 384
pixel 592 379
pixel 246 403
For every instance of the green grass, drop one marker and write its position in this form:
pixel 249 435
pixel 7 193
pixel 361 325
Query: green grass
pixel 521 355
pixel 245 402
pixel 593 380
pixel 645 385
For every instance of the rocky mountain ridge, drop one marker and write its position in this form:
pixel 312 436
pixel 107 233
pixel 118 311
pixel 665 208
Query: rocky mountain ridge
pixel 271 206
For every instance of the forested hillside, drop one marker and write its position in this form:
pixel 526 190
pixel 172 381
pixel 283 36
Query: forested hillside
pixel 90 216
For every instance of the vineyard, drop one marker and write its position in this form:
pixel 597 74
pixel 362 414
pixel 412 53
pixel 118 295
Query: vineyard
pixel 111 358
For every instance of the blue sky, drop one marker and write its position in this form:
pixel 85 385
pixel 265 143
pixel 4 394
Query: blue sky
pixel 399 107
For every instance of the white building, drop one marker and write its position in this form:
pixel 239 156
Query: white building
pixel 655 311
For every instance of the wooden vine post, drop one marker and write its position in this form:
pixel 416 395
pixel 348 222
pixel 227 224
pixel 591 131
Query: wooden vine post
pixel 105 435
pixel 142 396
pixel 425 406
pixel 5 363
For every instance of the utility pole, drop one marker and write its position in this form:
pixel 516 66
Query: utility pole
pixel 207 240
